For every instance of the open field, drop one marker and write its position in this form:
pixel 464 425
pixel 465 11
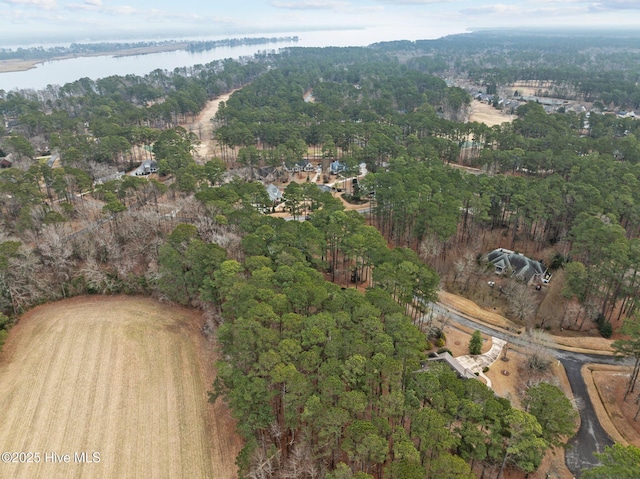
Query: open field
pixel 484 113
pixel 121 376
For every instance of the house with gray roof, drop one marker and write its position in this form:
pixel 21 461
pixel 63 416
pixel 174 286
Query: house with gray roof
pixel 336 167
pixel 51 161
pixel 6 161
pixel 507 262
pixel 146 168
pixel 452 362
pixel 275 195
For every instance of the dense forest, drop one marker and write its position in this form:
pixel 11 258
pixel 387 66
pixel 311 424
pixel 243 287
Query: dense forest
pixel 598 65
pixel 322 321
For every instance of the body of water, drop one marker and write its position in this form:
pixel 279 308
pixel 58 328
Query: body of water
pixel 60 72
pixel 65 71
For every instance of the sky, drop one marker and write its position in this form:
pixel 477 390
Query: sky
pixel 356 22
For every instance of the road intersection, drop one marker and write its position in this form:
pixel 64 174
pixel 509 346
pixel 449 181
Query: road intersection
pixel 591 437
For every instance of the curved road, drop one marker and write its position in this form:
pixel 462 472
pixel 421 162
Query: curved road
pixel 590 437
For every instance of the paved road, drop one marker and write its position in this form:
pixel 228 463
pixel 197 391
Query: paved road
pixel 590 437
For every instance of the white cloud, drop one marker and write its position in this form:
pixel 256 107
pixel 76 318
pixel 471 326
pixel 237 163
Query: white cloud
pixel 311 5
pixel 41 4
pixel 87 6
pixel 120 13
pixel 504 10
pixel 125 10
pixel 415 2
pixel 617 5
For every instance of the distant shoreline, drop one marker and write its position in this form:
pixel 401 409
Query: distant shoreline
pixel 7 66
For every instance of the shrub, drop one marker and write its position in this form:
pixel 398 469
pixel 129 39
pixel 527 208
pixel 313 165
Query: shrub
pixel 440 342
pixel 604 326
pixel 475 343
pixel 538 362
pixel 606 330
pixel 435 333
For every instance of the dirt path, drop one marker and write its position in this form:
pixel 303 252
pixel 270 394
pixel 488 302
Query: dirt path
pixel 123 377
pixel 203 127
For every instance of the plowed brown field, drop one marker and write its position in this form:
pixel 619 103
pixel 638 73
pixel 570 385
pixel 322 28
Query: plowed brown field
pixel 120 376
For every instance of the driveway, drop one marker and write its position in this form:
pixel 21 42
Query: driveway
pixel 477 363
pixel 590 437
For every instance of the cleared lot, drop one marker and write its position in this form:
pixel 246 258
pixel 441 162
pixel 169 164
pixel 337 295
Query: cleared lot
pixel 123 377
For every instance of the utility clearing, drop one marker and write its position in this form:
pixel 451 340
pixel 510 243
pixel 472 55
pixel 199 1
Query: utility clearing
pixel 123 380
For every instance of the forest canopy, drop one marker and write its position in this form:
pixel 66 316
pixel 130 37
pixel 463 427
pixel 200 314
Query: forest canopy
pixel 322 319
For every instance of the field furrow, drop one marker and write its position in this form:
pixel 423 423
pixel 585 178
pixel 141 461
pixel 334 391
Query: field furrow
pixel 123 377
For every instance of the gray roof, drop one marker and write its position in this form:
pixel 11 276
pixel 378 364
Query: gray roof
pixel 521 267
pixel 336 166
pixel 274 193
pixel 52 160
pixel 453 363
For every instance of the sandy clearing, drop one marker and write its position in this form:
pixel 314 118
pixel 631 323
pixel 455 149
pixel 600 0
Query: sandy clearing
pixel 485 113
pixel 7 66
pixel 203 127
pixel 125 377
pixel 17 65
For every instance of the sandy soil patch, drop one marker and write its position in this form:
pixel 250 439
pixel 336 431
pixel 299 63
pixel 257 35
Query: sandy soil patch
pixel 532 88
pixel 23 65
pixel 585 344
pixel 17 65
pixel 125 377
pixel 485 113
pixel 203 127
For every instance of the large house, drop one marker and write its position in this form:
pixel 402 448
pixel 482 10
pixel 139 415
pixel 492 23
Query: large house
pixel 452 362
pixel 507 262
pixel 303 165
pixel 336 167
pixel 6 161
pixel 275 195
pixel 146 168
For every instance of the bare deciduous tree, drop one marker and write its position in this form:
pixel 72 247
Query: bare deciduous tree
pixel 465 269
pixel 537 344
pixel 520 299
pixel 222 235
pixel 300 463
pixel 55 254
pixel 430 248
